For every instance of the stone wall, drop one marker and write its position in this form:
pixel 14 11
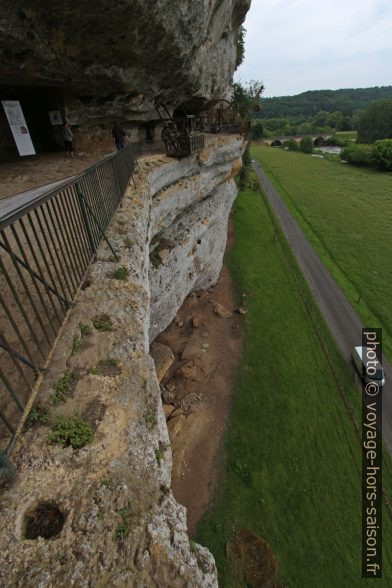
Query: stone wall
pixel 122 526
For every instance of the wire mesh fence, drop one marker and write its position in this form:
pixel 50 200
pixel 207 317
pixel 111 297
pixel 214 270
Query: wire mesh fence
pixel 46 246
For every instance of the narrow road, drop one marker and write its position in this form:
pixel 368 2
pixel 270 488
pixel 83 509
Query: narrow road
pixel 341 318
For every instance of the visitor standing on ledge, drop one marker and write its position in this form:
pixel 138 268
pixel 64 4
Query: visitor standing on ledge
pixel 119 136
pixel 68 138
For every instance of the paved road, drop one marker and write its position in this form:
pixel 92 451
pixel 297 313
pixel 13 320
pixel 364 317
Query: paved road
pixel 343 321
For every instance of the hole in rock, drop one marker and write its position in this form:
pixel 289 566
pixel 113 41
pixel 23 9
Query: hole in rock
pixel 44 520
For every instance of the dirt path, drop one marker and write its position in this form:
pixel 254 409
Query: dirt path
pixel 25 174
pixel 200 382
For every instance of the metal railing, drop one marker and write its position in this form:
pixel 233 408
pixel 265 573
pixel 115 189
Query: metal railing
pixel 46 247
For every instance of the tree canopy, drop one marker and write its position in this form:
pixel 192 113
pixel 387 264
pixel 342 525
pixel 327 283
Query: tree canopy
pixel 246 96
pixel 376 123
pixel 310 103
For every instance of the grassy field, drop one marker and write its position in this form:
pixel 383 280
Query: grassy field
pixel 346 213
pixel 352 135
pixel 292 472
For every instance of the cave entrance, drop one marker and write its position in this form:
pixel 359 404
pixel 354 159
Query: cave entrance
pixel 36 104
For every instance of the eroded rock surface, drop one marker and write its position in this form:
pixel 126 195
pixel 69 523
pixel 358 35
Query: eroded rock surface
pixel 121 524
pixel 189 221
pixel 117 58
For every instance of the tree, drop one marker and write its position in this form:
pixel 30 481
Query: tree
pixel 240 46
pixel 347 124
pixel 356 117
pixel 382 154
pixel 376 122
pixel 304 128
pixel 289 130
pixel 246 96
pixel 335 120
pixel 244 173
pixel 257 130
pixel 320 120
pixel 306 145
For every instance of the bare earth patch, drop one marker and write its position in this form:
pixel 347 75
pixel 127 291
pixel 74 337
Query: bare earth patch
pixel 256 562
pixel 25 174
pixel 197 389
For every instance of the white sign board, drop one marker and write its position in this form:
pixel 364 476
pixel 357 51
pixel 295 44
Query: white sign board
pixel 18 127
pixel 55 117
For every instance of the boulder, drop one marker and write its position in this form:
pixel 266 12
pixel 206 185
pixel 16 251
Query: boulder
pixel 168 409
pixel 163 358
pixel 164 255
pixel 196 322
pixel 191 349
pixel 220 310
pixel 187 371
pixel 175 425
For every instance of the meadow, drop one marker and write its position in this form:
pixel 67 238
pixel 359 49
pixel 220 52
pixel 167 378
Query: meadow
pixel 348 135
pixel 346 213
pixel 293 460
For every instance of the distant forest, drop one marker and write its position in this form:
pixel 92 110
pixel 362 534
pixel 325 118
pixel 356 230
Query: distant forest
pixel 308 104
pixel 316 111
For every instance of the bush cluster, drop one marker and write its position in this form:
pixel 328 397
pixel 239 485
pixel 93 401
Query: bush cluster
pixel 306 145
pixel 378 155
pixel 357 154
pixel 71 430
pixel 291 145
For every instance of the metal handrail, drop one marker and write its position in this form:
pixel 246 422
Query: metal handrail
pixel 46 246
pixel 19 211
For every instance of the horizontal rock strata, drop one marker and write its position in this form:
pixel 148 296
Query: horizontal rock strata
pixel 121 524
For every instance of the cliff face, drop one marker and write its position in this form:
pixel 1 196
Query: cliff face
pixel 117 58
pixel 103 60
pixel 122 526
pixel 189 224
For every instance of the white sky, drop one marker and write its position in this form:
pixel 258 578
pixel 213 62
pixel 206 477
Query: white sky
pixel 298 45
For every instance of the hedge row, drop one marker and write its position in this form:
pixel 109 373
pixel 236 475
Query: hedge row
pixel 378 155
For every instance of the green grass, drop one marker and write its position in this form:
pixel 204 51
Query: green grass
pixel 121 273
pixel 71 430
pixel 123 528
pixel 292 472
pixel 352 135
pixel 346 213
pixel 103 323
pixel 85 330
pixel 77 345
pixel 38 415
pixel 63 387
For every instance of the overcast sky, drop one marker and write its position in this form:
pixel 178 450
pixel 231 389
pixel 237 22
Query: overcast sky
pixel 298 45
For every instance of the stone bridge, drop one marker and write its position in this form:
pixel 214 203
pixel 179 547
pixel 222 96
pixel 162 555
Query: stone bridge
pixel 319 139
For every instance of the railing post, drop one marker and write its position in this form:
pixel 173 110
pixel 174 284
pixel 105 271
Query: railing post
pixel 82 205
pixel 116 179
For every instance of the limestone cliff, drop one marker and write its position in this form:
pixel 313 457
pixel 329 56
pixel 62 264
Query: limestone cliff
pixel 119 58
pixel 121 524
